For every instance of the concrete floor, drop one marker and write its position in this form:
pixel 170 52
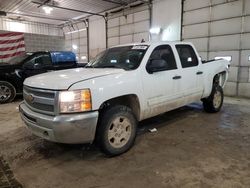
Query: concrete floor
pixel 190 149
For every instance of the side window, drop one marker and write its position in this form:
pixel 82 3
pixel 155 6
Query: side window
pixel 164 52
pixel 187 56
pixel 38 61
pixel 43 60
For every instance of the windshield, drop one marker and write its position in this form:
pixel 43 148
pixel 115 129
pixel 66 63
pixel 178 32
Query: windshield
pixel 126 57
pixel 18 59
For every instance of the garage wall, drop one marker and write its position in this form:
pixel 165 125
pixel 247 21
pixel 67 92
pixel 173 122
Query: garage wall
pixel 221 28
pixel 129 26
pixel 76 40
pixel 30 27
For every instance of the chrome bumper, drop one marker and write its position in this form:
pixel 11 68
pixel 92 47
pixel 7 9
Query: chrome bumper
pixel 70 128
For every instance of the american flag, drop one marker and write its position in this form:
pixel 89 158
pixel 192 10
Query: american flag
pixel 11 45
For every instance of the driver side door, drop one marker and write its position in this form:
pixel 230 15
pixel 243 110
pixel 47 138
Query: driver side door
pixel 162 88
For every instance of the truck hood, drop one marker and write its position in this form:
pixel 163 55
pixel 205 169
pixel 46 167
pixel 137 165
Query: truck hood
pixel 62 80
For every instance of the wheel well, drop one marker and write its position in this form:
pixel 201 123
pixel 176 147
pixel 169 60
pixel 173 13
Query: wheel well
pixel 220 79
pixel 130 101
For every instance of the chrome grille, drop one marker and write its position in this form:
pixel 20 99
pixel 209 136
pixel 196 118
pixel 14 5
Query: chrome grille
pixel 40 100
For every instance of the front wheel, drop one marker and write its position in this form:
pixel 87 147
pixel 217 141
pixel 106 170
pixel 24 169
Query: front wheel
pixel 7 92
pixel 116 130
pixel 214 102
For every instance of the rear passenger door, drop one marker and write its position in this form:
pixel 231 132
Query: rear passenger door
pixel 190 74
pixel 161 89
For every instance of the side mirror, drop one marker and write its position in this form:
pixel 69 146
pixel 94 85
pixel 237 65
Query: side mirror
pixel 156 65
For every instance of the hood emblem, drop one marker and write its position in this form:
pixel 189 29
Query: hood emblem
pixel 30 98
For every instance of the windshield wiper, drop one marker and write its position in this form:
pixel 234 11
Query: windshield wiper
pixel 89 66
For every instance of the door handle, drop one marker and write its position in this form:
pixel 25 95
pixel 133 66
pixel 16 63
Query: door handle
pixel 199 72
pixel 176 77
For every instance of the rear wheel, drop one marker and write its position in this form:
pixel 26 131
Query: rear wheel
pixel 214 102
pixel 116 131
pixel 7 92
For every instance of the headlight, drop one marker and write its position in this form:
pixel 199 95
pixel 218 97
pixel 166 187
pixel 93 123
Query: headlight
pixel 75 101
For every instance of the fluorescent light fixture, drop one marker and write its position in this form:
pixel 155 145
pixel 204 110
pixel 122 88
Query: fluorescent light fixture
pixel 83 57
pixel 75 31
pixel 74 46
pixel 155 30
pixel 228 58
pixel 47 10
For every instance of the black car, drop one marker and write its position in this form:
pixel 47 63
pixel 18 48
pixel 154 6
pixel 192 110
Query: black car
pixel 13 73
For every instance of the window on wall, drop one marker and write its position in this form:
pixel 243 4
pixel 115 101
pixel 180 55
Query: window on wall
pixel 249 58
pixel 228 58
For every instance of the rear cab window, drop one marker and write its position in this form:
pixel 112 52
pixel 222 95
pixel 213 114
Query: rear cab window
pixel 187 55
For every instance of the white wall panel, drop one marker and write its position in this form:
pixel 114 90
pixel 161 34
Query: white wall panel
pixel 126 29
pixel 194 4
pixel 141 26
pixel 247 24
pixel 247 7
pixel 113 32
pixel 246 41
pixel 113 22
pixel 141 16
pixel 233 54
pixel 215 2
pixel 127 19
pixel 196 16
pixel 113 41
pixel 200 44
pixel 229 42
pixel 126 39
pixel 97 35
pixel 227 10
pixel 166 14
pixel 245 57
pixel 223 27
pixel 197 30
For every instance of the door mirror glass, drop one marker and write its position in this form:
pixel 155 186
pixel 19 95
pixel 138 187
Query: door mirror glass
pixel 156 65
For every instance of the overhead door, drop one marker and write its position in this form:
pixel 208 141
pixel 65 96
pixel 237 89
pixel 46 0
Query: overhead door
pixel 221 29
pixel 76 40
pixel 129 26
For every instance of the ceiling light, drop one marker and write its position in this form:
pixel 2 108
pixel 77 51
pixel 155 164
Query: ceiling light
pixel 47 10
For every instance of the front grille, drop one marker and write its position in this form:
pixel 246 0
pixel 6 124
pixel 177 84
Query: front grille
pixel 40 100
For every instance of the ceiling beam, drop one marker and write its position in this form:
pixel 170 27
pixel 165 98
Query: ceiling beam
pixel 33 16
pixel 69 9
pixel 115 2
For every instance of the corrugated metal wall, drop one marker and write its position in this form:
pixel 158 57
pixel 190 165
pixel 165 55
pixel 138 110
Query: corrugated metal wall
pixel 129 26
pixel 221 28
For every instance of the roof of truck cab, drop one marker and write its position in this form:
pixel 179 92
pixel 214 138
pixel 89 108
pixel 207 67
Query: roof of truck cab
pixel 152 43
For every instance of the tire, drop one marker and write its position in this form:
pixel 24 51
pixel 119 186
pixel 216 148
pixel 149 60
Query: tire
pixel 116 131
pixel 214 102
pixel 7 92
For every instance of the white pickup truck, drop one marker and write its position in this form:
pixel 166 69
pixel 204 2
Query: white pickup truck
pixel 123 85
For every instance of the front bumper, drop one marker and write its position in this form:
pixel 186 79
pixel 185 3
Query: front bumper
pixel 70 128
